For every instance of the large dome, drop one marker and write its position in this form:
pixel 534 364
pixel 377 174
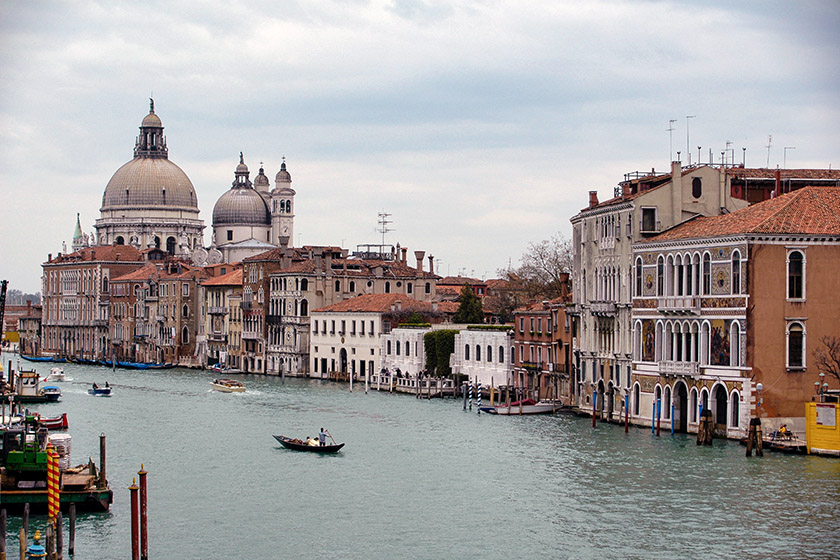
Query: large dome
pixel 149 182
pixel 241 207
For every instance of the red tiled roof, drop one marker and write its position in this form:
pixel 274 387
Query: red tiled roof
pixel 810 211
pixel 785 174
pixel 233 278
pixel 101 253
pixel 377 303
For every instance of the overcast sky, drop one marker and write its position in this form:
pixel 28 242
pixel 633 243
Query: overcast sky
pixel 479 126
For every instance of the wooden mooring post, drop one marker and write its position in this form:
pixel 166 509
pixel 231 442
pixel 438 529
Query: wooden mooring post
pixel 705 428
pixel 71 549
pixel 754 438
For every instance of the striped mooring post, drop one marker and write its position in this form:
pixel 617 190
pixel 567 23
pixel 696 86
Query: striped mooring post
pixel 53 496
pixel 470 393
pixel 478 404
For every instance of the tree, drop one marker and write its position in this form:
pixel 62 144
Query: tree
pixel 469 310
pixel 439 346
pixel 545 267
pixel 828 358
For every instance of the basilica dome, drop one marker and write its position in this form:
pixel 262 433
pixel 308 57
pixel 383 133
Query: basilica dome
pixel 150 180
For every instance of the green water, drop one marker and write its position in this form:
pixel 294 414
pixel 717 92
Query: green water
pixel 422 479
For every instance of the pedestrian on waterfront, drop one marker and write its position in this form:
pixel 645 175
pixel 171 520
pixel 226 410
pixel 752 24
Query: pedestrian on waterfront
pixel 322 437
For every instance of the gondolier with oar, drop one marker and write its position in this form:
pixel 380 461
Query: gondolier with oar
pixel 322 437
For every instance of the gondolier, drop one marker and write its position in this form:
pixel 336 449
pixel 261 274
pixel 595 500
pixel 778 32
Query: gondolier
pixel 322 437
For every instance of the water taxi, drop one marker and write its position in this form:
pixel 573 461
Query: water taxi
pixel 228 386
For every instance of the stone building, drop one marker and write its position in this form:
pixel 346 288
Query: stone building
pixel 222 297
pixel 736 309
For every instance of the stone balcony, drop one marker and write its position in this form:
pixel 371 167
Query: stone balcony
pixel 678 305
pixel 603 308
pixel 673 368
pixel 215 310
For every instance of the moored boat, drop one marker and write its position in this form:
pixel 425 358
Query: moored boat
pixel 42 359
pixel 27 389
pixel 53 422
pixel 297 444
pixel 526 406
pixel 228 385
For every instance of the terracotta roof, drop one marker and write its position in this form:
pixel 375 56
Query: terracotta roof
pixel 233 278
pixel 810 211
pixel 100 253
pixel 785 174
pixel 146 272
pixel 377 303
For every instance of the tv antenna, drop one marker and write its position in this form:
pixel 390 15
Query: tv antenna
pixel 768 146
pixel 784 160
pixel 670 130
pixel 383 225
pixel 687 145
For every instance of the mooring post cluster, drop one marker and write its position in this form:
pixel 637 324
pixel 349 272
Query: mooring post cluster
pixel 139 517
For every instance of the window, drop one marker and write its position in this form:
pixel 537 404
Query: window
pixel 638 277
pixel 660 276
pixel 522 324
pixel 185 336
pixel 489 353
pixel 734 419
pixel 736 273
pixel 648 219
pixel 388 347
pixel 387 287
pixel 352 286
pixel 477 353
pixel 230 235
pixel 304 284
pixel 501 354
pixel 337 285
pixel 185 289
pixel 466 352
pixel 707 274
pixel 796 275
pixel 697 187
pixel 796 346
pixel 428 287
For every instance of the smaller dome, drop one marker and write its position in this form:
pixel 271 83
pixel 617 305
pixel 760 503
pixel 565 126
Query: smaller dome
pixel 261 180
pixel 239 207
pixel 283 176
pixel 152 121
pixel 241 168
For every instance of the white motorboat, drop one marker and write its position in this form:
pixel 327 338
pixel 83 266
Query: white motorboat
pixel 56 374
pixel 228 385
pixel 527 406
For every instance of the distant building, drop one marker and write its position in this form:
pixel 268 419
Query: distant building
pixel 484 354
pixel 222 297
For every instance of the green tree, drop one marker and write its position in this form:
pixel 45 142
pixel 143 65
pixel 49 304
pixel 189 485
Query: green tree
pixel 439 346
pixel 469 310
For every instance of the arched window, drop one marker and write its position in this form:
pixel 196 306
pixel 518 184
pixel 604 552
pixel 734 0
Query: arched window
pixel 387 287
pixel 477 353
pixel 707 274
pixel 352 286
pixel 304 284
pixel 388 347
pixel 735 344
pixel 638 277
pixel 466 351
pixel 119 240
pixel 185 311
pixel 338 285
pixel 666 404
pixel 637 396
pixel 734 412
pixel 697 187
pixel 489 353
pixel 796 346
pixel 501 354
pixel 657 401
pixel 736 272
pixel 304 308
pixel 796 275
pixel 693 405
pixel 428 287
pixel 185 336
pixel 407 348
pixel 170 245
pixel 660 276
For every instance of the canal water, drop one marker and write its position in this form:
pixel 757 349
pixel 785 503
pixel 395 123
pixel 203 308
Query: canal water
pixel 421 479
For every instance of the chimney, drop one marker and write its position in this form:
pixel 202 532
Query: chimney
pixel 403 258
pixel 778 190
pixel 626 190
pixel 431 264
pixel 676 191
pixel 593 198
pixel 419 256
pixel 49 257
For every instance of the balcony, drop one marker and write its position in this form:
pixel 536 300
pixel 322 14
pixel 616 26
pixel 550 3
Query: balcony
pixel 603 308
pixel 250 335
pixel 217 337
pixel 679 305
pixel 214 310
pixel 668 367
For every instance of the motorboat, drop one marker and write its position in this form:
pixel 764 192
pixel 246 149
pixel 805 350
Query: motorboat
pixel 28 389
pixel 228 385
pixel 98 391
pixel 526 406
pixel 57 374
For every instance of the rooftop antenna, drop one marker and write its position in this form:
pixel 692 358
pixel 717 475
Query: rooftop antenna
pixel 698 154
pixel 670 130
pixel 383 225
pixel 730 151
pixel 768 146
pixel 687 144
pixel 784 160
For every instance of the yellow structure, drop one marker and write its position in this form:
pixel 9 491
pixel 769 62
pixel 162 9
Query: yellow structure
pixel 822 428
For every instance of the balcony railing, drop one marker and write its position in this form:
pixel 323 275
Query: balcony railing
pixel 669 367
pixel 217 337
pixel 679 305
pixel 603 308
pixel 250 335
pixel 214 310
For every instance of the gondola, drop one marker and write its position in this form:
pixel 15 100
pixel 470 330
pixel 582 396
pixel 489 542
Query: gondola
pixel 298 445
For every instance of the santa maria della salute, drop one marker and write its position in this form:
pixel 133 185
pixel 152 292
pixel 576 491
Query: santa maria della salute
pixel 150 202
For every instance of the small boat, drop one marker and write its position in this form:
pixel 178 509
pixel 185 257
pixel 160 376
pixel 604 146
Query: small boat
pixel 53 422
pixel 42 359
pixel 98 391
pixel 300 445
pixel 223 369
pixel 51 393
pixel 228 386
pixel 57 374
pixel 527 406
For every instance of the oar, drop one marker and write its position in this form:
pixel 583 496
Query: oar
pixel 332 438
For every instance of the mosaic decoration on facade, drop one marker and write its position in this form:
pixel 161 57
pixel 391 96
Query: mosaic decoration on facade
pixel 648 258
pixel 649 288
pixel 719 352
pixel 722 253
pixel 648 340
pixel 647 384
pixel 723 303
pixel 650 303
pixel 720 280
